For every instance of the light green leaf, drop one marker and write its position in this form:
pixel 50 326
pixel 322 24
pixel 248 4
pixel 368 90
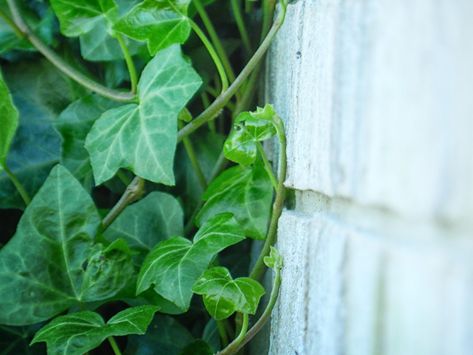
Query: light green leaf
pixel 8 121
pixel 274 259
pixel 244 191
pixel 249 129
pixel 175 264
pixel 73 124
pixel 165 336
pixel 40 93
pixel 78 333
pixel 155 218
pixel 79 17
pixel 50 264
pixel 142 137
pixel 159 22
pixel 224 296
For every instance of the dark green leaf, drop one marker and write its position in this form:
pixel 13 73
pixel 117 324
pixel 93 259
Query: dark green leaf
pixel 207 146
pixel 175 264
pixel 44 268
pixel 81 332
pixel 155 218
pixel 197 347
pixel 244 191
pixel 16 341
pixel 250 128
pixel 165 336
pixel 8 121
pixel 223 296
pixel 74 123
pixel 142 137
pixel 160 23
pixel 211 335
pixel 40 93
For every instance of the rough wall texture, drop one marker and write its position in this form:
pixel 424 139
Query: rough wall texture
pixel 377 96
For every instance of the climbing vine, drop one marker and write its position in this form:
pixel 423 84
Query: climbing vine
pixel 133 180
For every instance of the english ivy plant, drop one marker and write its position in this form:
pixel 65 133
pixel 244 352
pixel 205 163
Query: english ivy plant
pixel 133 178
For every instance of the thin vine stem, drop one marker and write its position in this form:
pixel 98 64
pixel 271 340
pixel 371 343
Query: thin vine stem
pixel 114 345
pixel 12 24
pixel 129 62
pixel 62 65
pixel 213 110
pixel 267 165
pixel 259 267
pixel 18 185
pixel 213 54
pixel 222 332
pixel 214 38
pixel 233 347
pixel 261 321
pixel 236 8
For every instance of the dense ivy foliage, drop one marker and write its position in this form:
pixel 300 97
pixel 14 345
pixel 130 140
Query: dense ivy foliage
pixel 133 179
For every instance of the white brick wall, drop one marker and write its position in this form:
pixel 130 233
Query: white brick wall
pixel 378 101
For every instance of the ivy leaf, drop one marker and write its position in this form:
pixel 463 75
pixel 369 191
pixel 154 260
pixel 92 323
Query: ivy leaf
pixel 160 23
pixel 175 264
pixel 197 347
pixel 73 124
pixel 79 17
pixel 274 259
pixel 156 217
pixel 142 137
pixel 51 263
pixel 8 121
pixel 249 129
pixel 16 340
pixel 165 336
pixel 224 296
pixel 40 93
pixel 244 191
pixel 81 332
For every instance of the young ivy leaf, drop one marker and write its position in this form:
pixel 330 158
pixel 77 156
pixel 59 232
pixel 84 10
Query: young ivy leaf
pixel 8 121
pixel 249 129
pixel 142 137
pixel 274 259
pixel 224 296
pixel 52 263
pixel 73 124
pixel 160 23
pixel 175 264
pixel 155 218
pixel 78 333
pixel 244 191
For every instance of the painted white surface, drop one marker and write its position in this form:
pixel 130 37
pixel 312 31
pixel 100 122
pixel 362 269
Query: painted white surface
pixel 377 96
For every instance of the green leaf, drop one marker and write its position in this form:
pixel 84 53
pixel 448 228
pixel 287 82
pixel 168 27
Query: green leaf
pixel 160 23
pixel 79 17
pixel 211 335
pixel 73 124
pixel 40 93
pixel 165 336
pixel 175 264
pixel 155 218
pixel 244 191
pixel 51 263
pixel 207 147
pixel 197 347
pixel 249 129
pixel 81 332
pixel 16 340
pixel 8 121
pixel 142 137
pixel 274 259
pixel 224 296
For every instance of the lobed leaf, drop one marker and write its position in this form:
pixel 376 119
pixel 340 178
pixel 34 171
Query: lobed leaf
pixel 8 121
pixel 175 264
pixel 51 263
pixel 249 129
pixel 73 124
pixel 244 191
pixel 142 137
pixel 160 23
pixel 155 218
pixel 81 332
pixel 224 296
